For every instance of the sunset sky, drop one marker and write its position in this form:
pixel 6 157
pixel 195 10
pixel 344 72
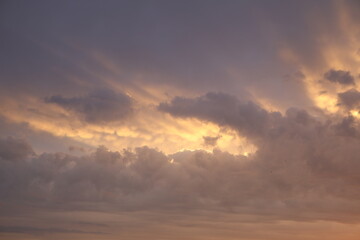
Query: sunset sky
pixel 180 120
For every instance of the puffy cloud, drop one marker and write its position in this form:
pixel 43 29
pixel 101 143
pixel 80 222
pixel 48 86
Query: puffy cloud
pixel 99 106
pixel 305 171
pixel 295 151
pixel 349 99
pixel 348 127
pixel 339 76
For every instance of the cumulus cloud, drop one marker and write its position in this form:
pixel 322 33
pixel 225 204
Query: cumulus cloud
pixel 339 76
pixel 349 99
pixel 293 150
pixel 303 169
pixel 99 106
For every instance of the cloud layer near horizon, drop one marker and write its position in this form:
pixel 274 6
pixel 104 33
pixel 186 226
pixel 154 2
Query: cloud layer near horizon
pixel 303 169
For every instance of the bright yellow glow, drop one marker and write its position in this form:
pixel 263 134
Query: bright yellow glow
pixel 266 103
pixel 355 113
pixel 149 127
pixel 327 100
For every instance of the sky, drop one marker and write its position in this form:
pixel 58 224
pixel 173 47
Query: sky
pixel 169 120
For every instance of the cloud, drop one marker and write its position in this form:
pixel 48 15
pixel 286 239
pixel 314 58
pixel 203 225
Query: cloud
pixel 287 141
pixel 340 76
pixel 100 106
pixel 223 109
pixel 303 171
pixel 349 99
pixel 159 47
pixel 348 127
pixel 210 141
pixel 76 148
pixel 13 149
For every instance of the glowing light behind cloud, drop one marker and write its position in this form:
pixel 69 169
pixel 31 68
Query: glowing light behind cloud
pixel 149 128
pixel 230 126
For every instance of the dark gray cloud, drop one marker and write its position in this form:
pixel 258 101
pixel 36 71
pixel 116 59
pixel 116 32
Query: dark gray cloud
pixel 223 109
pixel 350 99
pixel 100 106
pixel 340 76
pixel 210 141
pixel 348 127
